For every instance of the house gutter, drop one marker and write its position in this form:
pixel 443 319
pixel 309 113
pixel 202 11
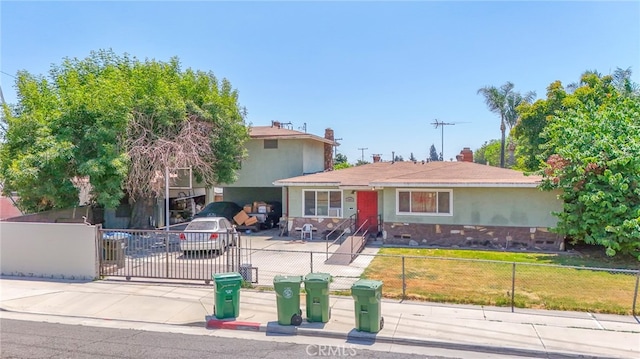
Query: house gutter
pixel 305 184
pixel 454 184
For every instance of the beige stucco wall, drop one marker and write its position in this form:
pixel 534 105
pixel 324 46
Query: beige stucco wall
pixel 312 157
pixel 51 250
pixel 292 158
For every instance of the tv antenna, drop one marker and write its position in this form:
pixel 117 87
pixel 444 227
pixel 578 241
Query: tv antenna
pixel 441 124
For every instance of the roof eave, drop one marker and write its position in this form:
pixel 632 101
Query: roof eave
pixel 453 184
pixel 293 137
pixel 305 184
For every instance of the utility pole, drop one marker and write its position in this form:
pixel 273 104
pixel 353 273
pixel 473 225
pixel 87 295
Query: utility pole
pixel 335 147
pixel 362 149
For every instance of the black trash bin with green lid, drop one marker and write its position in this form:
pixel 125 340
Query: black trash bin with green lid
pixel 367 295
pixel 288 299
pixel 317 287
pixel 227 302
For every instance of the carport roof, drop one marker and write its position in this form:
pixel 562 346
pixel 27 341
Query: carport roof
pixel 416 174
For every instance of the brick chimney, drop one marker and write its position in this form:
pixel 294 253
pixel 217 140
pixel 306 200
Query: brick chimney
pixel 466 155
pixel 376 158
pixel 328 150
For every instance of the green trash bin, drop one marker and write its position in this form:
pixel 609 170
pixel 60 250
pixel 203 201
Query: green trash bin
pixel 317 287
pixel 367 295
pixel 288 299
pixel 227 302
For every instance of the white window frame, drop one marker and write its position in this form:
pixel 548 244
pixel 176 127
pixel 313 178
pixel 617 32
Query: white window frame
pixel 430 214
pixel 329 208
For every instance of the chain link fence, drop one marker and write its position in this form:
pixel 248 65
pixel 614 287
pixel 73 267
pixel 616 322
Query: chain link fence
pixel 158 254
pixel 468 281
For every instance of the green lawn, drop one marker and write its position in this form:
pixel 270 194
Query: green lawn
pixel 444 275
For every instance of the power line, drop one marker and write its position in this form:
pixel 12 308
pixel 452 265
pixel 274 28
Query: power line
pixel 8 74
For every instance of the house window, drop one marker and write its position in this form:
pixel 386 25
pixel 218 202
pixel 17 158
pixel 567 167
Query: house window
pixel 270 144
pixel 322 203
pixel 431 202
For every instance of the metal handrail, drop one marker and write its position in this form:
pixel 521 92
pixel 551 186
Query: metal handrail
pixel 364 234
pixel 353 233
pixel 339 226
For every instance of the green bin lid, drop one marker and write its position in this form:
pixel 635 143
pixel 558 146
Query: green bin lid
pixel 317 277
pixel 226 276
pixel 287 279
pixel 367 284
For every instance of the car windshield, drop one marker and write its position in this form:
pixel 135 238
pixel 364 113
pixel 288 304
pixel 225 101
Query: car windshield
pixel 203 226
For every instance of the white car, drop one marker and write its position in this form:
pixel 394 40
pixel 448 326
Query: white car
pixel 208 234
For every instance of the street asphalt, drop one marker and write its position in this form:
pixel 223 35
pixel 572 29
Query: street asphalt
pixel 526 333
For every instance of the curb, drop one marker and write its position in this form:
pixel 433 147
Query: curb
pixel 274 328
pixel 232 325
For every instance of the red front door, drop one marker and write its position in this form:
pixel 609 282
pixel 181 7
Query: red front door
pixel 367 203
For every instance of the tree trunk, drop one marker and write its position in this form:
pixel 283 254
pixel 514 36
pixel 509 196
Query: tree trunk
pixel 512 153
pixel 502 129
pixel 142 213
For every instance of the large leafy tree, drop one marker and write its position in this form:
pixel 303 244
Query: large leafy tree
pixel 503 101
pixel 488 153
pixel 534 118
pixel 341 162
pixel 591 152
pixel 118 122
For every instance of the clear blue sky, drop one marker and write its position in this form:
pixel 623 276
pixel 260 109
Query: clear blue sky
pixel 377 73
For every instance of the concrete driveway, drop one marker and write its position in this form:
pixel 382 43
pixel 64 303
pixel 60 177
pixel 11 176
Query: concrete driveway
pixel 273 255
pixel 261 257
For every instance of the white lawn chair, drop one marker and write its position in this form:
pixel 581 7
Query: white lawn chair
pixel 307 228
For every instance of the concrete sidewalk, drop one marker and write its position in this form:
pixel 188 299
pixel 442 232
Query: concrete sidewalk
pixel 530 333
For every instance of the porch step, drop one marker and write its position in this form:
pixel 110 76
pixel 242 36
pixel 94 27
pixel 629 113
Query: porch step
pixel 342 256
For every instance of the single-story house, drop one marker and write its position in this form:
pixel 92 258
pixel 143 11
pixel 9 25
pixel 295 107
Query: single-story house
pixel 461 204
pixel 8 208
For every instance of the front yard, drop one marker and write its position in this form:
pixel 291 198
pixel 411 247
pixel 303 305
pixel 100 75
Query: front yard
pixel 488 278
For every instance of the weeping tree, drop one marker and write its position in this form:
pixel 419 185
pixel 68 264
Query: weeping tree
pixel 120 123
pixel 503 101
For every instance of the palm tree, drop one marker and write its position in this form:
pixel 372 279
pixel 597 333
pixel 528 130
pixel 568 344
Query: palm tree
pixel 504 101
pixel 496 100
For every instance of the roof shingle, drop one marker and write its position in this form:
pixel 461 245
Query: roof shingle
pixel 414 174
